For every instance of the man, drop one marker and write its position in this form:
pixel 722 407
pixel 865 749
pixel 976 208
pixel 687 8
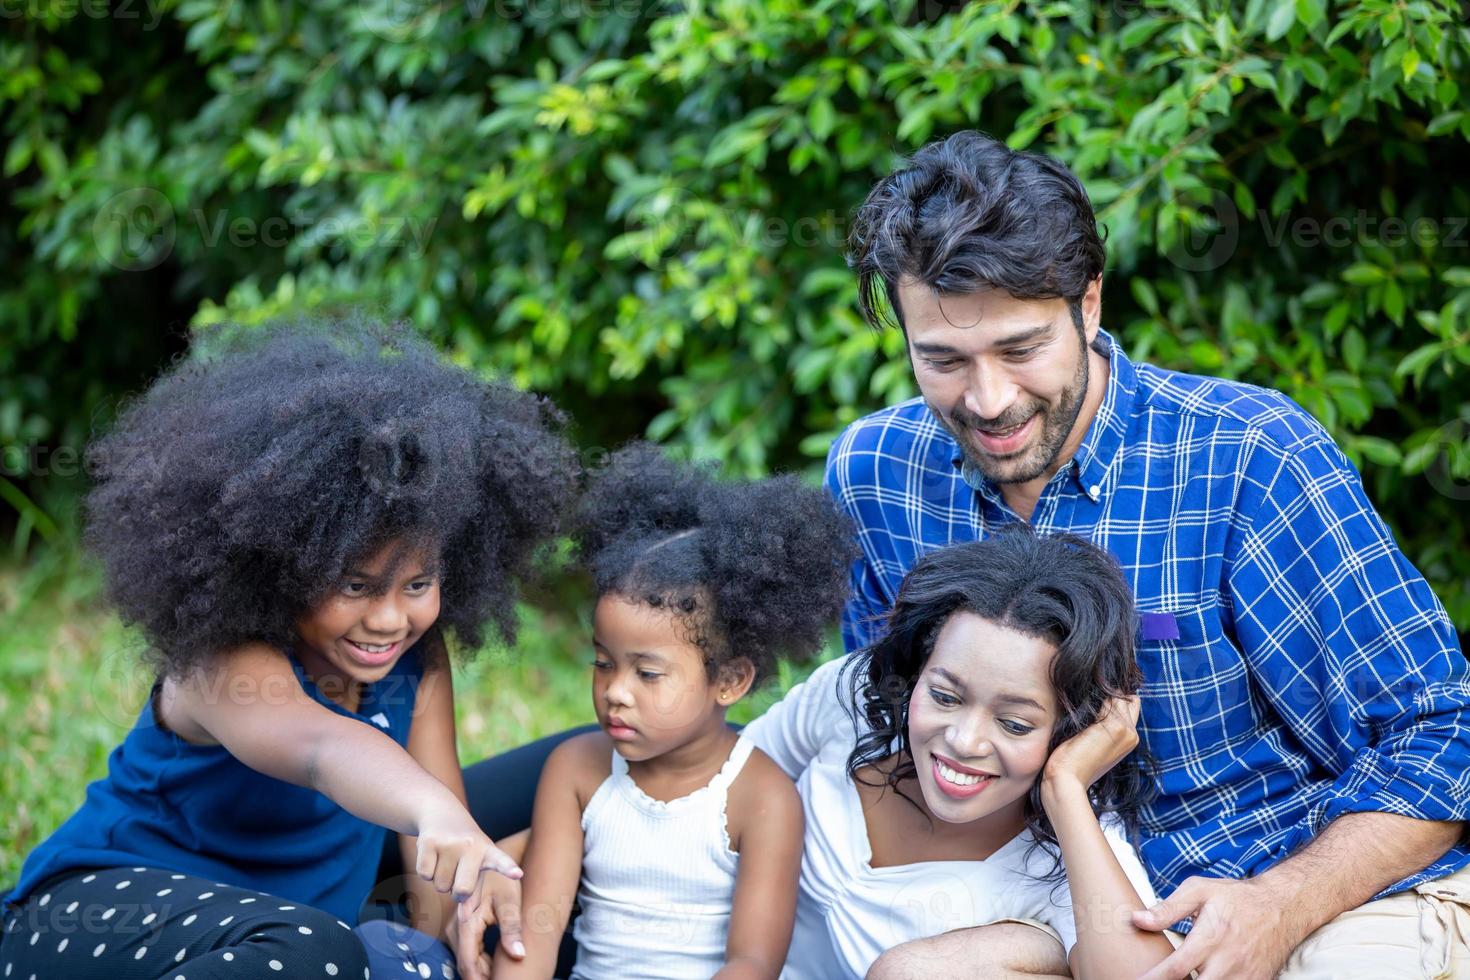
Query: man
pixel 1305 694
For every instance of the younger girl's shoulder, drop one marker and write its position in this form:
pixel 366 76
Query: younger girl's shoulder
pixel 763 796
pixel 582 761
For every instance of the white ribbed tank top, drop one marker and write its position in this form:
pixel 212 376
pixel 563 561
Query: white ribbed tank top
pixel 658 879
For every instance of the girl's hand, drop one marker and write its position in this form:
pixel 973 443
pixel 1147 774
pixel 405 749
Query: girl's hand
pixel 452 852
pixel 500 902
pixel 1082 759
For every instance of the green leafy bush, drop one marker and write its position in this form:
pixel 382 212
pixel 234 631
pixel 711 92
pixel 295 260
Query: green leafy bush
pixel 638 207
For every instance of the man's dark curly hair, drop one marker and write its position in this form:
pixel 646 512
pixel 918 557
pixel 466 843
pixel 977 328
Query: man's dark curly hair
pixel 232 495
pixel 752 569
pixel 1056 587
pixel 968 213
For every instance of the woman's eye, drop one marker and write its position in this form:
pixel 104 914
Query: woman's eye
pixel 419 588
pixel 1016 728
pixel 648 676
pixel 354 588
pixel 601 665
pixel 942 699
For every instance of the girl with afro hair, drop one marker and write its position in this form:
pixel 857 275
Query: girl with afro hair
pixel 297 518
pixel 685 840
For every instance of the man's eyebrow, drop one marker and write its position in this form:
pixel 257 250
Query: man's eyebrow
pixel 932 349
pixel 1009 340
pixel 1021 337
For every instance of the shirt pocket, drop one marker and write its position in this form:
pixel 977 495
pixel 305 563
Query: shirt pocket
pixel 1196 693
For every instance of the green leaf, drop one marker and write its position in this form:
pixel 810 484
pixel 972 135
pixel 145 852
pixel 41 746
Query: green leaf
pixel 1143 292
pixel 1363 274
pixel 1283 15
pixel 1140 31
pixel 1378 451
pixel 1417 362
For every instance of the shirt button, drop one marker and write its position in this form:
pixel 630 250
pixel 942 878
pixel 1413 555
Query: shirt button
pixel 1093 491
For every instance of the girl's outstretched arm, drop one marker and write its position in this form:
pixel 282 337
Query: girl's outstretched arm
pixel 553 861
pixel 766 827
pixel 1103 899
pixel 432 744
pixel 251 703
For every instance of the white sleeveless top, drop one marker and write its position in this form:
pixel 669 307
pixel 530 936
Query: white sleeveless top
pixel 658 879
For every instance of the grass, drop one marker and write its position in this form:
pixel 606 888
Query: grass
pixel 72 682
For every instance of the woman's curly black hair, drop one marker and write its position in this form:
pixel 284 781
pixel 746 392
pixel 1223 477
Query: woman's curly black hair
pixel 1056 587
pixel 752 569
pixel 230 497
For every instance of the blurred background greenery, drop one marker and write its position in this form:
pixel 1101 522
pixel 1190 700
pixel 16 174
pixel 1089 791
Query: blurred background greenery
pixel 638 207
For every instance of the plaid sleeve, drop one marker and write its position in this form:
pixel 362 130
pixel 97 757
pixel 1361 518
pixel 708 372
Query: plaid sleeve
pixel 1347 641
pixel 862 616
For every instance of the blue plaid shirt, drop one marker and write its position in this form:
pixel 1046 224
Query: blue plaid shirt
pixel 1297 667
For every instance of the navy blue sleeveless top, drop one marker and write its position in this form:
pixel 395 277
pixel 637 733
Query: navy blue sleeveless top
pixel 198 810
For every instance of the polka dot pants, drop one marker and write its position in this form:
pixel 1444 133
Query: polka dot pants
pixel 146 924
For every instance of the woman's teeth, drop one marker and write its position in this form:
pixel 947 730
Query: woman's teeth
pixel 372 647
pixel 958 778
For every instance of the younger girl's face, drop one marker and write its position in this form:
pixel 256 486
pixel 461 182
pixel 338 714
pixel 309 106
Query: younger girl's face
pixel 980 720
pixel 649 684
pixel 359 631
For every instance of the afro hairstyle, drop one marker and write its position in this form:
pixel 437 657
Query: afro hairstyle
pixel 231 495
pixel 751 569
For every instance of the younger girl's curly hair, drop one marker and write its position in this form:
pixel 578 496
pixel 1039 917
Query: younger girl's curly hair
pixel 752 570
pixel 230 497
pixel 1056 587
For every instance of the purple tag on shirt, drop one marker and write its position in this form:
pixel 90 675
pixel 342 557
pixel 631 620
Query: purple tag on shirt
pixel 1159 626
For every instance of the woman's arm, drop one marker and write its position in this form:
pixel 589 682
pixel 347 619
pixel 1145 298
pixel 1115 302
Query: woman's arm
pixel 1103 899
pixel 553 860
pixel 251 703
pixel 794 730
pixel 766 827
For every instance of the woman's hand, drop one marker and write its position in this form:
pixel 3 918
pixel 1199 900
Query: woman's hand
pixel 452 851
pixel 500 902
pixel 1082 759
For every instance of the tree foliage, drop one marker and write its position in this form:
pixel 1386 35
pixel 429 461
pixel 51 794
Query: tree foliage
pixel 639 206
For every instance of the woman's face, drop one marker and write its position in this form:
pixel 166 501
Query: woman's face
pixel 980 720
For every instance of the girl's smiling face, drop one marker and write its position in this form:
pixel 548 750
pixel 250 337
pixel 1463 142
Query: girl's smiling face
pixel 381 607
pixel 980 720
pixel 650 686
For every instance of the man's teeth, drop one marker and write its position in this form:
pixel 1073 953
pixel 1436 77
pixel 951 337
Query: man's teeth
pixel 1005 433
pixel 958 778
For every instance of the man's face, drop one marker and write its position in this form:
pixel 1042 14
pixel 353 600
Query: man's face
pixel 1007 377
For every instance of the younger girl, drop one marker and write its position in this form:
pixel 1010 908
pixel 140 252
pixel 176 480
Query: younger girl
pixel 686 843
pixel 990 720
pixel 294 522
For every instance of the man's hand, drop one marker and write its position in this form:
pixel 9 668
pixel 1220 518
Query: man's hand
pixel 499 902
pixel 1243 930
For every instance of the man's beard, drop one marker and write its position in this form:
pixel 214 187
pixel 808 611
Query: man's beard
pixel 1034 461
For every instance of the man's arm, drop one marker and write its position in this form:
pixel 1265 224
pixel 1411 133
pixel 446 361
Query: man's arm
pixel 862 617
pixel 1248 929
pixel 1357 656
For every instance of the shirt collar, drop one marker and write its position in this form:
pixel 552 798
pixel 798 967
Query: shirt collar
pixel 1104 438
